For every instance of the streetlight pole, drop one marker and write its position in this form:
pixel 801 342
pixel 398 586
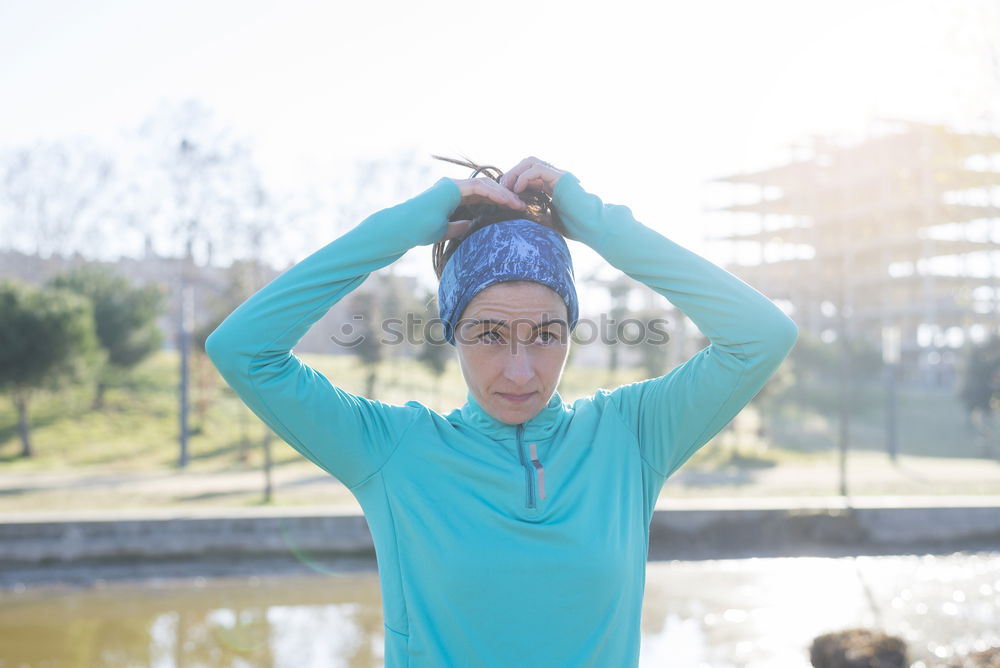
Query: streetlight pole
pixel 890 359
pixel 186 314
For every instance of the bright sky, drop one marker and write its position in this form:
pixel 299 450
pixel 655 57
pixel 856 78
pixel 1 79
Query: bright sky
pixel 644 101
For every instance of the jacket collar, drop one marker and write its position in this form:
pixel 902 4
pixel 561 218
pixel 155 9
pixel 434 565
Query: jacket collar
pixel 541 427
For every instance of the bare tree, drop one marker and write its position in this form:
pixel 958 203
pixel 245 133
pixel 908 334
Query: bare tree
pixel 52 194
pixel 376 183
pixel 204 179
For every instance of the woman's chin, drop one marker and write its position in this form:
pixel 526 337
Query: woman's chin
pixel 515 414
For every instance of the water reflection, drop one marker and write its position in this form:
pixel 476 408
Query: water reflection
pixel 748 613
pixel 285 621
pixel 764 612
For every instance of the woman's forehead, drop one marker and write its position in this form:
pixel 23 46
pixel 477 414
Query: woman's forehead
pixel 521 299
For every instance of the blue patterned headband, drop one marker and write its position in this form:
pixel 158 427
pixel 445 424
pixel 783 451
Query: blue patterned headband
pixel 511 250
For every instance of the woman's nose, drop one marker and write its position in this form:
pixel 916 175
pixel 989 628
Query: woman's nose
pixel 518 367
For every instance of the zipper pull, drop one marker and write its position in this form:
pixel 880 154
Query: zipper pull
pixel 540 472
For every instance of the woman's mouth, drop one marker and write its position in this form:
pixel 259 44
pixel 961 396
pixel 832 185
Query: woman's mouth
pixel 517 398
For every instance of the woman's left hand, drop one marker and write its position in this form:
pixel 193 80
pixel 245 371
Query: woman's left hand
pixel 531 173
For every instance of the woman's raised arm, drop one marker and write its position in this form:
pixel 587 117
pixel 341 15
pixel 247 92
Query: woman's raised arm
pixel 347 435
pixel 677 413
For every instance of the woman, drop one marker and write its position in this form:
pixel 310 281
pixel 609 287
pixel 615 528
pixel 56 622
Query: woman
pixel 512 531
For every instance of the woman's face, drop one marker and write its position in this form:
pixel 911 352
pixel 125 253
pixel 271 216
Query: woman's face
pixel 512 342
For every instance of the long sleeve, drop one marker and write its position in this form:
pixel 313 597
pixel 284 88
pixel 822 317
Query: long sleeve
pixel 347 435
pixel 675 414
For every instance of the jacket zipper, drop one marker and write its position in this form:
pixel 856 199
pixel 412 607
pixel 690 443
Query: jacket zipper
pixel 532 468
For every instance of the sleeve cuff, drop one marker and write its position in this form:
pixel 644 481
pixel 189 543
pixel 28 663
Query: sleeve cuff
pixel 563 188
pixel 422 219
pixel 581 212
pixel 443 197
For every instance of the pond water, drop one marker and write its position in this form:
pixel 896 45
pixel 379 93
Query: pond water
pixel 697 614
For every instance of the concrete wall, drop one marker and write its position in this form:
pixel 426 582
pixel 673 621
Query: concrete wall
pixel 687 533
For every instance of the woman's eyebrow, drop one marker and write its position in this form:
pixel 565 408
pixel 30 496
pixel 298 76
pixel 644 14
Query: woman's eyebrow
pixel 487 321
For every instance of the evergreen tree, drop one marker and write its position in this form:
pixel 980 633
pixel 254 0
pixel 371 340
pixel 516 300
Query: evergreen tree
pixel 125 317
pixel 46 338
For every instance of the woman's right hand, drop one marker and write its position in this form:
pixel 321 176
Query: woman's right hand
pixel 476 191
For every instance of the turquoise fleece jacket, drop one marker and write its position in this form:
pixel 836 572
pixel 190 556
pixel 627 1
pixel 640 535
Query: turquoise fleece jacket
pixel 506 545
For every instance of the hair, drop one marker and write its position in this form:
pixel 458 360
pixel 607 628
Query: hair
pixel 539 210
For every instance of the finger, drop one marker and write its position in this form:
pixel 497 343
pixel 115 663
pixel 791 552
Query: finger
pixel 535 176
pixel 510 176
pixel 496 193
pixel 508 198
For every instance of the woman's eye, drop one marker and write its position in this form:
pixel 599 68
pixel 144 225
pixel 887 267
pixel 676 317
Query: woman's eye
pixel 491 336
pixel 548 337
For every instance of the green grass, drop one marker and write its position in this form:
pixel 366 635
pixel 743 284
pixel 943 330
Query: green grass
pixel 138 428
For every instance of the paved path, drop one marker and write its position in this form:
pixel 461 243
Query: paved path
pixel 302 483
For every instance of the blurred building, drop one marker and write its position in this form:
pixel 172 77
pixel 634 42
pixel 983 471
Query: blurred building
pixel 214 291
pixel 151 269
pixel 898 231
